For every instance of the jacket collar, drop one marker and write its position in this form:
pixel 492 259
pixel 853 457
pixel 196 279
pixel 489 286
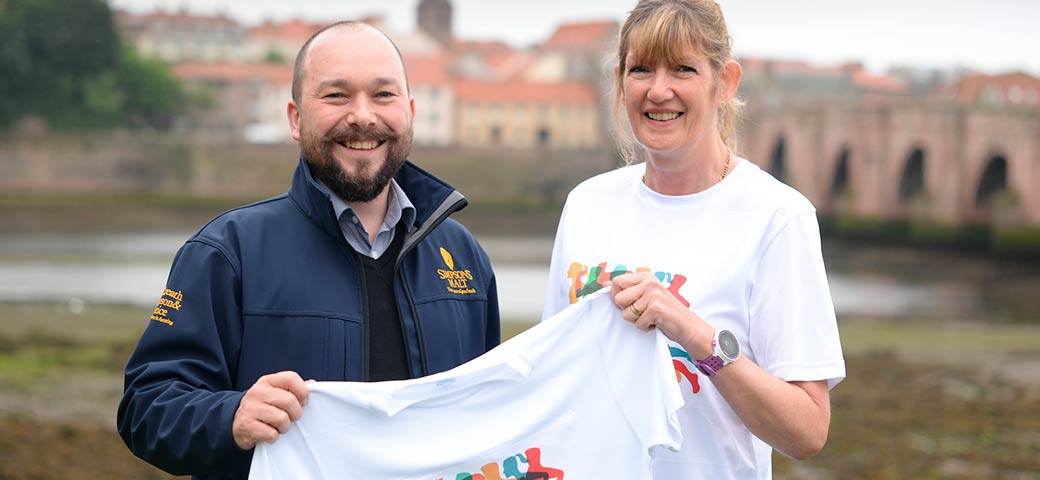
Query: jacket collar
pixel 427 193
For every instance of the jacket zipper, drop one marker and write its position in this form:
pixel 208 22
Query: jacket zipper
pixel 415 320
pixel 458 202
pixel 365 372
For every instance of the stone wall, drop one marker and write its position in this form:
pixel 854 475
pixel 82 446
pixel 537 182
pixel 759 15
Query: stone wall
pixel 124 162
pixel 878 138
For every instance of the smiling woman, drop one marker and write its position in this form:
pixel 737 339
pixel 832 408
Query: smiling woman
pixel 676 81
pixel 718 255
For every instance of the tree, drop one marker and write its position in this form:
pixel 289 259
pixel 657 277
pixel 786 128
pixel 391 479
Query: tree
pixel 151 95
pixel 274 56
pixel 63 61
pixel 68 43
pixel 13 57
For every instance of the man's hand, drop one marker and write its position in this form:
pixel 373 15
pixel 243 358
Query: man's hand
pixel 268 409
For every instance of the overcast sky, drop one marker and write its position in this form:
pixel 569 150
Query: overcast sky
pixel 987 35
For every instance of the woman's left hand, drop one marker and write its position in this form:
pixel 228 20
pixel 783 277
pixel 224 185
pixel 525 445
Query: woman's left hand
pixel 646 303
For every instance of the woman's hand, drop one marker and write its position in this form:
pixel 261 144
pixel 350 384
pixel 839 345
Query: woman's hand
pixel 646 303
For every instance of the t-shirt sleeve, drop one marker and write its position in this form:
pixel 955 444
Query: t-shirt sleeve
pixel 793 328
pixel 639 370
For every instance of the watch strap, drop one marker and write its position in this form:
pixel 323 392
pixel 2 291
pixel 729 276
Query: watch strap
pixel 711 365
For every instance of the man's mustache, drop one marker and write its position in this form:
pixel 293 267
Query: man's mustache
pixel 350 134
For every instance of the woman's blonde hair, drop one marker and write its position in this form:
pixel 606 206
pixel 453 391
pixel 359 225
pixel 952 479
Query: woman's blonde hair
pixel 658 30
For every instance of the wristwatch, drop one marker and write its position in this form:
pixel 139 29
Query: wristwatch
pixel 727 351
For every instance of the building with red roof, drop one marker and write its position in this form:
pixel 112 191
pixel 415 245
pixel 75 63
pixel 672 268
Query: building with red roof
pixel 1010 89
pixel 467 92
pixel 431 87
pixel 182 36
pixel 577 51
pixel 248 100
pixel 582 37
pixel 279 41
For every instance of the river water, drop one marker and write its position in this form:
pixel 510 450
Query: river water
pixel 866 281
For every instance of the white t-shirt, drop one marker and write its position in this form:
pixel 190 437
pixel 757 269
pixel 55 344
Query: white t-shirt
pixel 745 255
pixel 583 394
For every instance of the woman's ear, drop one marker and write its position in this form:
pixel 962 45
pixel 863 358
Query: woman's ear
pixel 731 74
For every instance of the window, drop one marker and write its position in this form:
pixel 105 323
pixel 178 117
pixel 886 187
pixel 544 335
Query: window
pixel 543 136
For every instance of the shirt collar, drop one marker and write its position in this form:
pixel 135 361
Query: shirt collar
pixel 398 207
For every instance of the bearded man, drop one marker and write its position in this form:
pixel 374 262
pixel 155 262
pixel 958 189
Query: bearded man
pixel 355 274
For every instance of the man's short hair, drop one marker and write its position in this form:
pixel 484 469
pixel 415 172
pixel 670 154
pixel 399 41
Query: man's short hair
pixel 301 57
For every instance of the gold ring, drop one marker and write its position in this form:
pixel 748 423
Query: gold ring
pixel 635 310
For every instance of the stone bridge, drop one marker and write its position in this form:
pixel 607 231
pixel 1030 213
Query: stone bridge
pixel 904 159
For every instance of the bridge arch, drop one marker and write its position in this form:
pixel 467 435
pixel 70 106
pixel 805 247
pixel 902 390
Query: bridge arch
pixel 840 172
pixel 919 161
pixel 778 159
pixel 840 181
pixel 912 179
pixel 992 181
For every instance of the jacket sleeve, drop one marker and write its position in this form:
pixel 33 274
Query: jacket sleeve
pixel 494 326
pixel 178 400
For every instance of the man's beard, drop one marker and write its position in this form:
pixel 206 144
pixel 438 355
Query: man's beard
pixel 355 187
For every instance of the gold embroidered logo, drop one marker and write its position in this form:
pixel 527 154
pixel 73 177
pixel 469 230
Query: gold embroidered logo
pixel 458 280
pixel 450 262
pixel 169 300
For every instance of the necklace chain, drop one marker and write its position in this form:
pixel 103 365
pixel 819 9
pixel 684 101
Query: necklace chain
pixel 725 168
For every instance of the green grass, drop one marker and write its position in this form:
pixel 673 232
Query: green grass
pixel 892 418
pixel 33 362
pixel 868 336
pixel 1017 242
pixel 98 323
pixel 47 340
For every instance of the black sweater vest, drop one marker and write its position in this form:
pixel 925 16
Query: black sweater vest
pixel 384 338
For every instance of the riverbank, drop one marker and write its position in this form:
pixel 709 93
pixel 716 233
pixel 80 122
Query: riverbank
pixel 920 401
pixel 117 213
pixel 1019 243
pixel 137 212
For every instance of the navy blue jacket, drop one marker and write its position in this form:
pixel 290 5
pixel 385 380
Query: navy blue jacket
pixel 274 286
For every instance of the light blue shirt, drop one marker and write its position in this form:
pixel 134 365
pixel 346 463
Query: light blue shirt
pixel 398 208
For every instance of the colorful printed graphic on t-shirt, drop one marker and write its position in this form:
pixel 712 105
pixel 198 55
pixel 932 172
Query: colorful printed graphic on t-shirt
pixel 530 462
pixel 682 370
pixel 586 280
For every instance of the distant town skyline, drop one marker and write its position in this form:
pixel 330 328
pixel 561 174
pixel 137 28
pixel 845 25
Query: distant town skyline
pixel 992 36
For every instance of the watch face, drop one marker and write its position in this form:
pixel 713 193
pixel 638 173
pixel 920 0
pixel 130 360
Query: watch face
pixel 728 344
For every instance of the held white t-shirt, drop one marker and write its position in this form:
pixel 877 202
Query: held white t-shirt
pixel 745 255
pixel 584 394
